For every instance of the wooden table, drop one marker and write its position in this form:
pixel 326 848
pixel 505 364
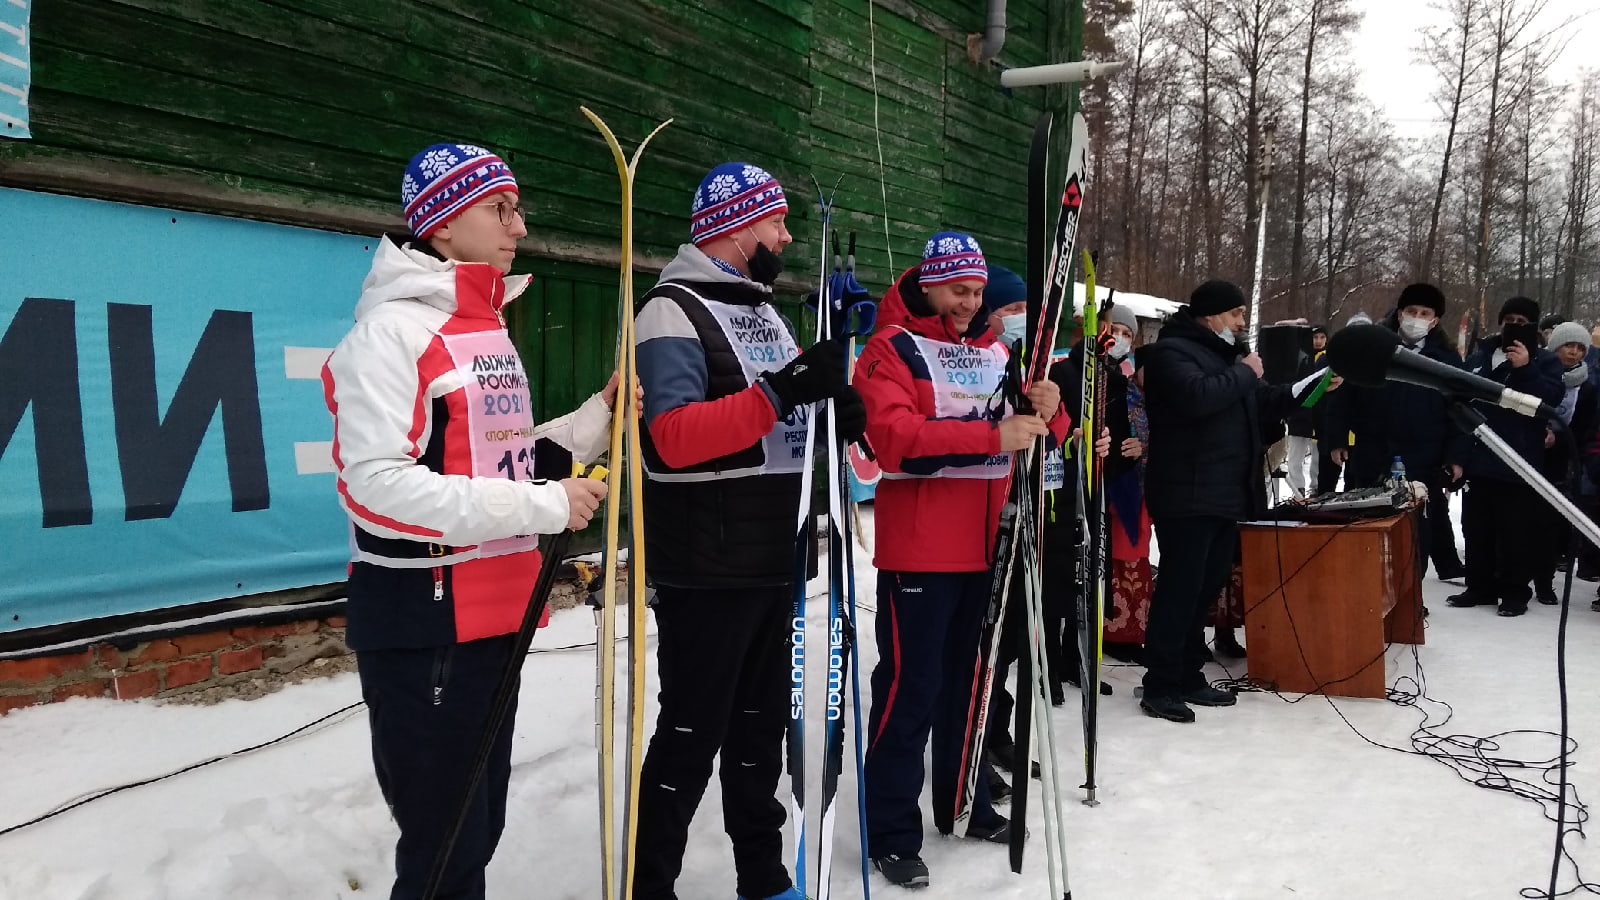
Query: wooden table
pixel 1322 602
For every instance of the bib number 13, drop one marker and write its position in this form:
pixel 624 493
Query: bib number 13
pixel 510 465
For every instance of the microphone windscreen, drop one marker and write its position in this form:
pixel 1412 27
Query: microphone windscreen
pixel 1361 353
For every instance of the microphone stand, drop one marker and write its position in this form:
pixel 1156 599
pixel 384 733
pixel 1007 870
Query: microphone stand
pixel 1473 422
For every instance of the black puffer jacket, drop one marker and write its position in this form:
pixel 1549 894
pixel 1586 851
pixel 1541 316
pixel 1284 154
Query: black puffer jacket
pixel 1396 419
pixel 1541 377
pixel 1207 415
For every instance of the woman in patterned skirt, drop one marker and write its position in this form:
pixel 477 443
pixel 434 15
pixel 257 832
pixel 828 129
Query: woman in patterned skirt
pixel 1131 581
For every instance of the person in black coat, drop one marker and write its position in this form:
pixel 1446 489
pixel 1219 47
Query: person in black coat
pixel 1501 516
pixel 1208 407
pixel 1569 342
pixel 1407 421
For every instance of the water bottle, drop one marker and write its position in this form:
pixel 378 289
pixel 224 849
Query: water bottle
pixel 1397 475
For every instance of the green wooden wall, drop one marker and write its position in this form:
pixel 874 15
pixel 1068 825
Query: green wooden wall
pixel 306 111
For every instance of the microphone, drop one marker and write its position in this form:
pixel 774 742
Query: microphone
pixel 1369 355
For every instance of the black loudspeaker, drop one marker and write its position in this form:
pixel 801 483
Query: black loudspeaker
pixel 1282 349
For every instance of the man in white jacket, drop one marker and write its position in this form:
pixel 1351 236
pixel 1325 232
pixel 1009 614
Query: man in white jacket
pixel 434 441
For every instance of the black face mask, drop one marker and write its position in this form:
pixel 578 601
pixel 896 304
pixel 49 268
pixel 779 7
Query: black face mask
pixel 765 266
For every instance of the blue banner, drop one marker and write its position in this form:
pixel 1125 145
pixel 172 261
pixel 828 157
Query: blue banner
pixel 163 438
pixel 16 68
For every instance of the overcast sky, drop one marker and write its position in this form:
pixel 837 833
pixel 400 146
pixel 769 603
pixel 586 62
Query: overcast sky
pixel 1391 76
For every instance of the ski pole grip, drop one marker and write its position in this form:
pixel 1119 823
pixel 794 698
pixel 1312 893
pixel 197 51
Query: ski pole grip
pixel 597 473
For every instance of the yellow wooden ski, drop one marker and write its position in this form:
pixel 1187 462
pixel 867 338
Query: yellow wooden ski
pixel 624 430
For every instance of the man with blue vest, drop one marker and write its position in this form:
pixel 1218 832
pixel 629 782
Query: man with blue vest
pixel 727 398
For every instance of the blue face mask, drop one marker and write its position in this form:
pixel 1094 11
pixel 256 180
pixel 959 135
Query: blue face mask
pixel 1013 329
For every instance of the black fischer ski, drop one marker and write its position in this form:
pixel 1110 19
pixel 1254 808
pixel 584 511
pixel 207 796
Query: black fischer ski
pixel 1028 491
pixel 1050 259
pixel 1092 589
pixel 972 745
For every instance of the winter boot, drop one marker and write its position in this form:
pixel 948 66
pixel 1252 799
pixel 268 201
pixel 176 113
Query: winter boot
pixel 999 791
pixel 1170 708
pixel 1468 598
pixel 1207 695
pixel 904 871
pixel 996 832
pixel 1105 689
pixel 1228 645
pixel 1125 652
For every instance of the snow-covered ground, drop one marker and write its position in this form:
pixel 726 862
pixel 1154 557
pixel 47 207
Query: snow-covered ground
pixel 1264 800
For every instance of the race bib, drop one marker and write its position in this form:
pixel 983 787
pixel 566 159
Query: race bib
pixel 1055 470
pixel 763 344
pixel 499 416
pixel 967 385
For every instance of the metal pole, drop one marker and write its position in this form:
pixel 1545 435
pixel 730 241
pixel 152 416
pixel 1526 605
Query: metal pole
pixel 1261 234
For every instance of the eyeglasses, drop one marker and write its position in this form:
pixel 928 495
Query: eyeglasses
pixel 508 212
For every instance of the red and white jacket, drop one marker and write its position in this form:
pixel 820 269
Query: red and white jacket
pixel 433 443
pixel 938 506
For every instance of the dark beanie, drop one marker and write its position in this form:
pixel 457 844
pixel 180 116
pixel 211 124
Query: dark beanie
pixel 1005 287
pixel 1422 294
pixel 1551 321
pixel 1215 297
pixel 1519 306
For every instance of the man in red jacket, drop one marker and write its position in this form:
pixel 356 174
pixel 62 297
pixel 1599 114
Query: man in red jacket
pixel 944 437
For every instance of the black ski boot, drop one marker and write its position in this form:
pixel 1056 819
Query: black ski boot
pixel 904 871
pixel 1170 708
pixel 1546 593
pixel 996 832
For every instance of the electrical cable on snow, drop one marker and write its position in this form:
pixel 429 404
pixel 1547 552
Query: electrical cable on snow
pixel 1478 760
pixel 307 729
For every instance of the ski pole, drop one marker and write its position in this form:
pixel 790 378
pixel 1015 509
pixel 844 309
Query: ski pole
pixel 505 691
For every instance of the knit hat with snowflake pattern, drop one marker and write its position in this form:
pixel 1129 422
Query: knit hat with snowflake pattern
pixel 732 196
pixel 445 179
pixel 952 256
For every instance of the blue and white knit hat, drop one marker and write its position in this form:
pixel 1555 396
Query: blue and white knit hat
pixel 445 179
pixel 952 256
pixel 732 196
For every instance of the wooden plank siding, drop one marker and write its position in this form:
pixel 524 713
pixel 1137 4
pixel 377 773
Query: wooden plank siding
pixel 306 111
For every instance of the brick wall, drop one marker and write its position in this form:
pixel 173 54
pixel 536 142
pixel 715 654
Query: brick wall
pixel 170 666
pixel 128 669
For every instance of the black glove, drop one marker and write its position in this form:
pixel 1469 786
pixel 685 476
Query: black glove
pixel 849 415
pixel 816 374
